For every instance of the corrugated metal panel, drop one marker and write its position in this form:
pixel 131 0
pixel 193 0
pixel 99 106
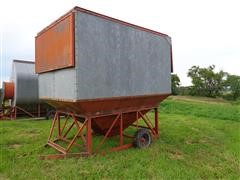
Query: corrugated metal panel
pixel 55 46
pixel 112 59
pixel 25 82
pixel 115 60
pixel 86 11
pixel 58 84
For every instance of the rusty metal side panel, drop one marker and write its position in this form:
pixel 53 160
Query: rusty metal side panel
pixel 105 110
pixel 8 90
pixel 55 46
pixel 107 105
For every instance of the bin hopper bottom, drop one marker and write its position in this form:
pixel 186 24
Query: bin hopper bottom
pixel 103 111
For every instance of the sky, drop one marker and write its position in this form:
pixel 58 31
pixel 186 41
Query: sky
pixel 203 32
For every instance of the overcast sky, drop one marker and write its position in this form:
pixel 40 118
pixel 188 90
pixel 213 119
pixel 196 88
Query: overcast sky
pixel 203 32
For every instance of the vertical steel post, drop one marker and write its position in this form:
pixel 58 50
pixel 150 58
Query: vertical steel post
pixel 121 130
pixel 53 125
pixel 39 110
pixel 59 126
pixel 156 121
pixel 15 112
pixel 137 118
pixel 89 135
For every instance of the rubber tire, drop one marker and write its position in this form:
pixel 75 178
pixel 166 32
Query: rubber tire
pixel 142 133
pixel 50 114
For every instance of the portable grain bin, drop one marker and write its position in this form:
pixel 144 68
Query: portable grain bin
pixel 104 73
pixel 22 92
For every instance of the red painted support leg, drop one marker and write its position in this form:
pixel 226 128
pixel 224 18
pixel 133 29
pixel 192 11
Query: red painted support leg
pixel 59 126
pixel 89 135
pixel 52 127
pixel 156 121
pixel 121 131
pixel 86 148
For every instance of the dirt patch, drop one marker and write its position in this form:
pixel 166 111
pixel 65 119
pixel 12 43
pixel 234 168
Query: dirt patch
pixel 175 154
pixel 209 141
pixel 29 133
pixel 15 146
pixel 202 141
pixel 190 141
pixel 2 176
pixel 195 129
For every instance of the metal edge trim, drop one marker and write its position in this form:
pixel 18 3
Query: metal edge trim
pixel 76 8
pixel 107 98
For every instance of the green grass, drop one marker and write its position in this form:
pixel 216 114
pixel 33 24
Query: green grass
pixel 202 107
pixel 200 139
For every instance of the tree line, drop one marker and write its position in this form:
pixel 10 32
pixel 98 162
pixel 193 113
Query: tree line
pixel 209 83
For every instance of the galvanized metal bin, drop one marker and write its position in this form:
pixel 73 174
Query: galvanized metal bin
pixel 92 65
pixel 85 57
pixel 25 82
pixel 22 91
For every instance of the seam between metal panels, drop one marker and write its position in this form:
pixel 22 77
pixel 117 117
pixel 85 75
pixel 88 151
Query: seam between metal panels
pixel 107 98
pixel 76 53
pixel 23 61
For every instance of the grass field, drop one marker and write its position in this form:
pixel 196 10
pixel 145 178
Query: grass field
pixel 200 138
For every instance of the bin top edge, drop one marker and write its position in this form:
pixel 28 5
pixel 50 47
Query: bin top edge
pixel 80 9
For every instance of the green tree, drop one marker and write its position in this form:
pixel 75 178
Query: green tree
pixel 175 84
pixel 206 82
pixel 232 85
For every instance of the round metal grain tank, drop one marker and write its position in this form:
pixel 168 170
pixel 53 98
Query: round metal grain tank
pixel 91 64
pixel 22 92
pixel 25 82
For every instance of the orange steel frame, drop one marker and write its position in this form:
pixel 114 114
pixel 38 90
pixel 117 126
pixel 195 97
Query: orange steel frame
pixel 86 137
pixel 12 112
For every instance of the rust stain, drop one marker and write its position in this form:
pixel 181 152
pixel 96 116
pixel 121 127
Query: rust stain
pixel 55 43
pixel 106 105
pixel 110 107
pixel 55 47
pixel 8 90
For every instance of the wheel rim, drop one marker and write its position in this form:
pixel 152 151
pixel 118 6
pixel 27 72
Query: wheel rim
pixel 144 140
